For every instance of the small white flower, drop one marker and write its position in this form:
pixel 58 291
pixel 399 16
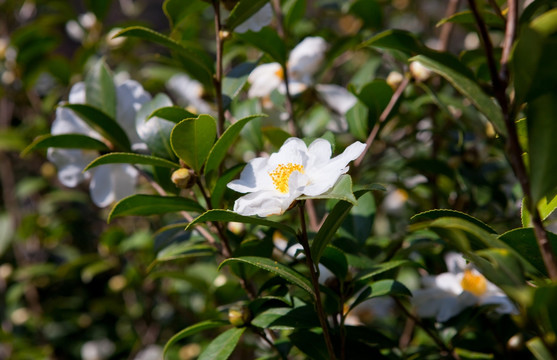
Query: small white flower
pixel 188 93
pixel 274 182
pixel 304 61
pixel 97 349
pixel 257 21
pixel 447 294
pixel 109 182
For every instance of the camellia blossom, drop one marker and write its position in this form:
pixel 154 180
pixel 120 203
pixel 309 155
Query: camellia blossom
pixel 274 182
pixel 447 294
pixel 110 182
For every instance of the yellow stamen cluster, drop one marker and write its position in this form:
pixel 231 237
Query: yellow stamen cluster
pixel 280 73
pixel 281 175
pixel 474 283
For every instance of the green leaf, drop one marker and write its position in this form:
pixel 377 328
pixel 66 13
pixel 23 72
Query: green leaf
pixel 276 268
pixel 172 113
pixel 66 141
pixel 381 288
pixel 333 222
pixel 311 344
pixel 223 345
pixel 242 11
pixel 400 40
pixel 217 192
pixel 467 18
pixel 545 209
pixel 335 260
pixel 179 251
pixel 194 329
pixel 341 191
pixel 144 205
pixel 467 87
pixel 103 124
pixel 542 129
pixel 358 121
pixel 100 91
pixel 155 131
pixel 6 232
pixel 199 58
pixel 524 242
pixel 11 140
pixel 220 148
pixel 381 268
pixel 236 78
pixel 275 135
pixel 131 158
pixel 228 216
pixel 268 41
pixel 192 140
pixel 376 95
pixel 538 349
pixel 500 266
pixel 286 318
pixel 440 213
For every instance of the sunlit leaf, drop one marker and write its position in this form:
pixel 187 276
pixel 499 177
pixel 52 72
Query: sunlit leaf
pixel 131 158
pixel 223 345
pixel 66 141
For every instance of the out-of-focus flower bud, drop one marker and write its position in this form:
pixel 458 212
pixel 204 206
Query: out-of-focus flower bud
pixel 394 79
pixel 239 316
pixel 419 72
pixel 236 227
pixel 183 178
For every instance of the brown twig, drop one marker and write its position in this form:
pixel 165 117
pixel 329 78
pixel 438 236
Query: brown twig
pixel 384 115
pixel 447 28
pixel 217 79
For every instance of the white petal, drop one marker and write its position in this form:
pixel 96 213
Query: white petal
pixel 320 151
pixel 70 164
pixel 306 58
pixel 111 183
pixel 263 203
pixel 130 97
pixel 252 177
pixel 293 151
pixel 506 306
pixel 455 262
pixel 77 93
pixel 264 79
pixel 336 97
pixel 67 122
pixel 452 306
pixel 449 282
pixel 257 21
pixel 295 87
pixel 428 302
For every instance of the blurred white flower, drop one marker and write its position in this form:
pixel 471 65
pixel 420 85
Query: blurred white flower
pixel 447 294
pixel 257 21
pixel 151 352
pixel 274 182
pixel 109 182
pixel 188 93
pixel 304 61
pixel 370 310
pixel 77 29
pixel 394 79
pixel 419 71
pixel 97 349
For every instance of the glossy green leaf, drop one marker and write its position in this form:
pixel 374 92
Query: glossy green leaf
pixel 235 80
pixel 103 124
pixel 524 241
pixel 220 148
pixel 333 222
pixel 341 191
pixel 144 205
pixel 179 251
pixel 100 91
pixel 335 260
pixel 376 95
pixel 311 344
pixel 544 208
pixel 223 345
pixel 399 40
pixel 243 11
pixel 217 191
pixel 381 288
pixel 131 158
pixel 381 268
pixel 294 11
pixel 286 318
pixel 440 213
pixel 467 18
pixel 276 268
pixel 192 330
pixel 275 135
pixel 500 266
pixel 268 41
pixel 66 141
pixel 192 140
pixel 542 130
pixel 192 54
pixel 228 216
pixel 155 131
pixel 172 113
pixel 467 87
pixel 358 121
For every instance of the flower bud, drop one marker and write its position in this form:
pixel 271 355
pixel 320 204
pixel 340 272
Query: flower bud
pixel 183 178
pixel 394 79
pixel 419 72
pixel 239 316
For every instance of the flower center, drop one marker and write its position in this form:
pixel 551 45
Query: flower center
pixel 280 73
pixel 281 175
pixel 474 283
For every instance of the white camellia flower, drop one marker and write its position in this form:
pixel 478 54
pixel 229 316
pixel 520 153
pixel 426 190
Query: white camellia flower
pixel 274 182
pixel 257 21
pixel 109 182
pixel 188 93
pixel 447 294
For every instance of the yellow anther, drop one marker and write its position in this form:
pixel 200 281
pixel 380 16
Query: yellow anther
pixel 280 73
pixel 474 283
pixel 281 175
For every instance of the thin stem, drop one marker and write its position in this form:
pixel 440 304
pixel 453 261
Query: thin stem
pixel 303 238
pixel 447 27
pixel 397 94
pixel 510 33
pixel 217 79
